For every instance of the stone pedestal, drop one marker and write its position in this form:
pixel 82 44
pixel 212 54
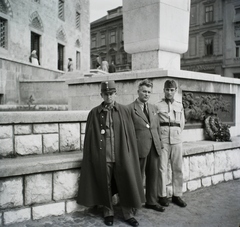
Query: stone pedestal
pixel 156 32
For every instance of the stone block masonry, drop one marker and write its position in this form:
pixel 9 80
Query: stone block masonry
pixel 39 172
pixel 40 136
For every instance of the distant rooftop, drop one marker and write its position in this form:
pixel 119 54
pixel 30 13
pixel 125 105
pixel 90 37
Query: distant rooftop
pixel 111 14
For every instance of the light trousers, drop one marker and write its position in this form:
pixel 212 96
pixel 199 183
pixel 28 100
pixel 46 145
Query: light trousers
pixel 172 153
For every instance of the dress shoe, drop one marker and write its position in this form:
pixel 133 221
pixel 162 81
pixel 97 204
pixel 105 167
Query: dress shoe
pixel 155 207
pixel 108 220
pixel 132 222
pixel 178 201
pixel 163 201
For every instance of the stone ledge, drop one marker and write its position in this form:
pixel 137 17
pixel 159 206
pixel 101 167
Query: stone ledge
pixel 154 73
pixel 40 163
pixel 71 160
pixel 43 116
pixel 198 147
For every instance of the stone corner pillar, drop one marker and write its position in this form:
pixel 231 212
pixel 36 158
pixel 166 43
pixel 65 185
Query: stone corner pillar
pixel 156 32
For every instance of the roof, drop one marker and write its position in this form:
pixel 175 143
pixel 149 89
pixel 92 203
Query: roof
pixel 112 13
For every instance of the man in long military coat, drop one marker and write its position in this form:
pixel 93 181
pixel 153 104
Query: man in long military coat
pixel 146 123
pixel 110 153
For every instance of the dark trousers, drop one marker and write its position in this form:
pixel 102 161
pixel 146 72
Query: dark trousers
pixel 149 168
pixel 127 212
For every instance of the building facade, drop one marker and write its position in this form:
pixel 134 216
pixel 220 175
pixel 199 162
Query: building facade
pixel 56 29
pixel 107 41
pixel 214 38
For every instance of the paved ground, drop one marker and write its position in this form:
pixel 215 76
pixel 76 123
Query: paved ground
pixel 215 206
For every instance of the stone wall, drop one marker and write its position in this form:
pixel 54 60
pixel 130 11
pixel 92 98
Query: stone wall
pixel 40 135
pixel 84 93
pixel 51 92
pixel 41 160
pixel 12 72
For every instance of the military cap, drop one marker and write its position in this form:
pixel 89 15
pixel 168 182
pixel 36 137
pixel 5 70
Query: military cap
pixel 170 84
pixel 108 86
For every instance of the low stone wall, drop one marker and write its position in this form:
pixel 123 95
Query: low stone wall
pixel 11 72
pixel 41 132
pixel 42 178
pixel 32 107
pixel 47 92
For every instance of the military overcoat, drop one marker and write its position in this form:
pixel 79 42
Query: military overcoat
pixel 93 188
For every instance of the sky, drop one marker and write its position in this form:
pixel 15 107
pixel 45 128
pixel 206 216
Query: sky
pixel 99 8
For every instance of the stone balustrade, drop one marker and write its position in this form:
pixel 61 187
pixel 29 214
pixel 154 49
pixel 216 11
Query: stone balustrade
pixel 41 161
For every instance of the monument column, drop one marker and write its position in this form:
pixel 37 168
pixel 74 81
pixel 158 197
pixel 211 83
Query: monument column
pixel 156 32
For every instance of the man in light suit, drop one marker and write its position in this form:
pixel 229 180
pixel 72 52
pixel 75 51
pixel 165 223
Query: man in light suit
pixel 172 121
pixel 146 122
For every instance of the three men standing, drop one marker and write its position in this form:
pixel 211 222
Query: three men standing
pixel 123 143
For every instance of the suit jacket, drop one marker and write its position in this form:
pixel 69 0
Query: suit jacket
pixel 146 135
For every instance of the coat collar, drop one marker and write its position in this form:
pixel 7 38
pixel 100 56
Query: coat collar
pixel 101 108
pixel 168 100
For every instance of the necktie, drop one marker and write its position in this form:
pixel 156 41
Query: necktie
pixel 145 110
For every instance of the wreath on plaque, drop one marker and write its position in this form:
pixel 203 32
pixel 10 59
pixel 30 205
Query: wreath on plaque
pixel 205 109
pixel 216 130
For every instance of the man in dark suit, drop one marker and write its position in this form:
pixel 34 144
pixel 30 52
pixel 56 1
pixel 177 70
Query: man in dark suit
pixel 146 124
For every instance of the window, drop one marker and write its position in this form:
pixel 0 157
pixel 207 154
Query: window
pixel 60 56
pixel 236 75
pixel 193 15
pixel 124 58
pixel 237 49
pixel 237 29
pixel 121 34
pixel 78 17
pixel 113 37
pixel 208 14
pixel 103 39
pixel 61 9
pixel 35 43
pixel 113 58
pixel 78 60
pixel 237 10
pixel 208 46
pixel 192 46
pixel 3 33
pixel 94 41
pixel 1 99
